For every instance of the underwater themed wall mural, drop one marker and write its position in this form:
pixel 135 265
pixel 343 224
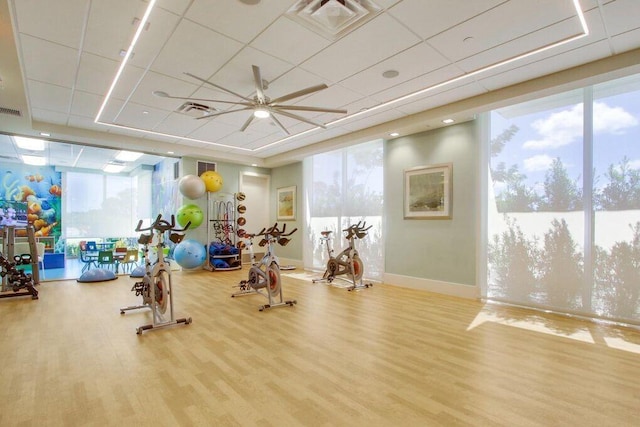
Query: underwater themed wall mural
pixel 31 194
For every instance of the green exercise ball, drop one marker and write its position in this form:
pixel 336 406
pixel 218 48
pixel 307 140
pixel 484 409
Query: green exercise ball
pixel 190 213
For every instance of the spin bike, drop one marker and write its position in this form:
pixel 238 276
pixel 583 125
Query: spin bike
pixel 348 262
pixel 264 276
pixel 155 287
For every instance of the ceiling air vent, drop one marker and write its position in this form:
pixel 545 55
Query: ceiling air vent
pixel 10 111
pixel 333 18
pixel 194 109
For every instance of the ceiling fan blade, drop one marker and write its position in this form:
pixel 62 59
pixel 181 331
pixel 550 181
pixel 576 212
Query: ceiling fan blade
pixel 277 122
pixel 247 123
pixel 299 93
pixel 166 95
pixel 297 117
pixel 218 87
pixel 258 81
pixel 208 116
pixel 303 108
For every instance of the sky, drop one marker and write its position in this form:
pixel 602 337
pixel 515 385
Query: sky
pixel 557 132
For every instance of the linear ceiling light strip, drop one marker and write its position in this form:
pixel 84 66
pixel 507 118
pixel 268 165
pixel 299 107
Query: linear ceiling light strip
pixel 576 4
pixel 127 55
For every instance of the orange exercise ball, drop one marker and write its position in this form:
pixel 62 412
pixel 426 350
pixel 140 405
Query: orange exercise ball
pixel 212 181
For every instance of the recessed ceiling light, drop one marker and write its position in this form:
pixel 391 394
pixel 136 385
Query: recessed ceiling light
pixel 394 134
pixel 45 134
pixel 389 74
pixel 145 112
pixel 128 156
pixel 170 152
pixel 34 160
pixel 113 168
pixel 254 164
pixel 29 143
pixel 447 121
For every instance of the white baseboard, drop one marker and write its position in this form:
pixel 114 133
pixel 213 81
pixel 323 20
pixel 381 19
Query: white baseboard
pixel 446 288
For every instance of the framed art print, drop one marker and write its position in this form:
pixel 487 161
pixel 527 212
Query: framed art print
pixel 427 192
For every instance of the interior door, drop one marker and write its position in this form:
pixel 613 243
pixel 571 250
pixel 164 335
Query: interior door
pixel 256 190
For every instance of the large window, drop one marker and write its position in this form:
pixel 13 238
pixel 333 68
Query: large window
pixel 564 202
pixel 344 187
pixel 98 205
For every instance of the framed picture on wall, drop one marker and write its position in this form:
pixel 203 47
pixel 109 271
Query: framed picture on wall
pixel 428 192
pixel 286 204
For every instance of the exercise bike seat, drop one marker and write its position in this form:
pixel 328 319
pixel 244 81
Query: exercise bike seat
pixel 326 233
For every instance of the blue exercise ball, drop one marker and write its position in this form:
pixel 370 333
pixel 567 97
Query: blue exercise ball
pixel 189 254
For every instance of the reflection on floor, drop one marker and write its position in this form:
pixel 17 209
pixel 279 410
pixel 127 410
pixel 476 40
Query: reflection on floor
pixel 71 271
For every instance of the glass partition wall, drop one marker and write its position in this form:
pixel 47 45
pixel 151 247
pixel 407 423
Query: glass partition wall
pixel 563 204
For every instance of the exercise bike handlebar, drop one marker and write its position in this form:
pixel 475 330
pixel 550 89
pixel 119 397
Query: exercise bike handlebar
pixel 360 227
pixel 163 225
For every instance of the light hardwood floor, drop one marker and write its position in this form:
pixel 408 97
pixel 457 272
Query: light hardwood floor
pixel 385 356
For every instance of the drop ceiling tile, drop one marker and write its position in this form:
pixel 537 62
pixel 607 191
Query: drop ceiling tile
pixel 237 74
pixel 110 27
pixel 225 17
pixel 535 67
pixel 429 82
pixel 212 131
pixel 625 41
pixel 466 90
pixel 292 81
pixel 178 124
pixel 159 82
pixel 175 6
pixel 289 41
pixel 85 104
pixel 525 44
pixel 61 61
pixel 161 26
pixel 82 122
pixel 621 16
pixel 510 20
pixel 194 49
pixel 415 61
pixel 127 82
pixel 428 18
pixel 63 24
pixel 373 119
pixel 362 48
pixel 111 110
pixel 49 97
pixel 48 116
pixel 140 116
pixel 95 74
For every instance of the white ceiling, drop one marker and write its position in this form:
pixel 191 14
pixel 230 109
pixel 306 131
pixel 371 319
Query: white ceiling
pixel 67 53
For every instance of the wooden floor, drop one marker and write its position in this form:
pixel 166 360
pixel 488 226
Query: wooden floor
pixel 384 356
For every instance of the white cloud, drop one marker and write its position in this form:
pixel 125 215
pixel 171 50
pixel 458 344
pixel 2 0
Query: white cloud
pixel 611 119
pixel 634 164
pixel 565 127
pixel 540 162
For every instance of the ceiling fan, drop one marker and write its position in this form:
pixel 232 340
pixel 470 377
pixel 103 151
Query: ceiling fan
pixel 261 104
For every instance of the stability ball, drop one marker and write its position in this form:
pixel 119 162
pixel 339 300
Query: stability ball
pixel 212 180
pixel 191 213
pixel 189 253
pixel 192 186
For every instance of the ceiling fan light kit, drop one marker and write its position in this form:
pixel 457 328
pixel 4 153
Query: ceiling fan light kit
pixel 260 104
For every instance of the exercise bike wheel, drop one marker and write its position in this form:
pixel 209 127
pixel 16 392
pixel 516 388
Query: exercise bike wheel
pixel 358 267
pixel 162 290
pixel 274 280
